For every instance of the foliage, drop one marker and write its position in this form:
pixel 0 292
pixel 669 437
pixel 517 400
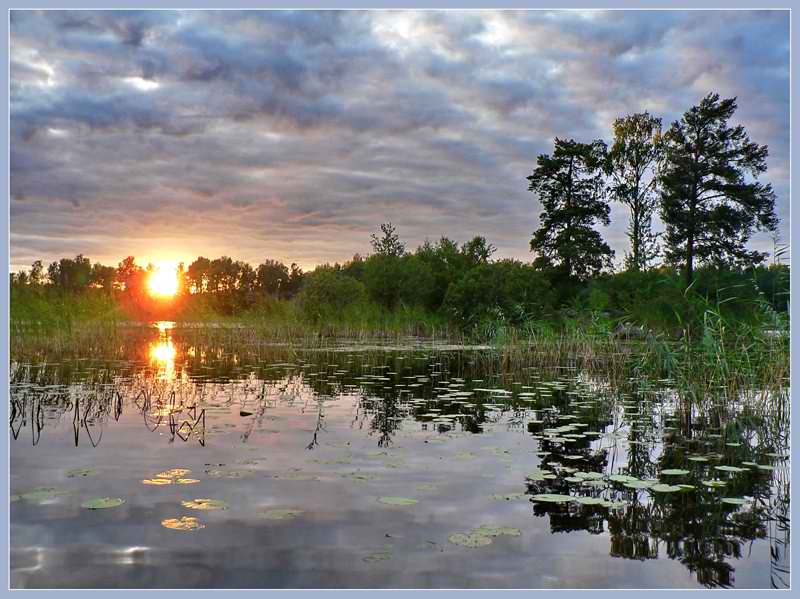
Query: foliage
pixel 516 290
pixel 569 184
pixel 329 291
pixel 632 164
pixel 708 204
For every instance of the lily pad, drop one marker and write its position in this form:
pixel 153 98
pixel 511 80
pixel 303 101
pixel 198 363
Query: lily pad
pixel 639 484
pixel 508 496
pixel 471 540
pixel 590 500
pixel 662 488
pixel 730 468
pixel 230 473
pixel 101 503
pixel 734 501
pixel 174 473
pixel 622 478
pixel 281 514
pixel 397 500
pixel 714 483
pixel 552 498
pixel 380 556
pixel 205 504
pixel 187 523
pixel 157 481
pixel 674 472
pixel 40 493
pixel 490 530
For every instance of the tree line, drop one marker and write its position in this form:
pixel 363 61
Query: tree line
pixel 699 176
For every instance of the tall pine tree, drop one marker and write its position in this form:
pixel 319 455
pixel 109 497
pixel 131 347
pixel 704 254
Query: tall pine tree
pixel 570 186
pixel 710 201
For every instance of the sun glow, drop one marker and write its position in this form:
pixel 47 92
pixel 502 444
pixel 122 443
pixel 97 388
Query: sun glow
pixel 163 281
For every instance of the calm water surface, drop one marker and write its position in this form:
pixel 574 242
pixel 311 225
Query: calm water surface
pixel 310 453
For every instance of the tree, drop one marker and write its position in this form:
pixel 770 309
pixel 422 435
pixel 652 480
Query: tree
pixel 197 275
pixel 272 277
pixel 295 281
pixel 70 274
pixel 103 276
pixel 389 243
pixel 36 274
pixel 131 277
pixel 570 187
pixel 708 204
pixel 632 164
pixel 477 251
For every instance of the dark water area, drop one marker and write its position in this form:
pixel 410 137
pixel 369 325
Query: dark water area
pixel 383 467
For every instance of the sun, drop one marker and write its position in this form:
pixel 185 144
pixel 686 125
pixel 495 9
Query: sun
pixel 163 281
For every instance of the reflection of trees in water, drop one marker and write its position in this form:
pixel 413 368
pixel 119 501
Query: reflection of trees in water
pixel 389 389
pixel 694 527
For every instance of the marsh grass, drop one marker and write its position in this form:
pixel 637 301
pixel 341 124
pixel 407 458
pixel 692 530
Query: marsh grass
pixel 716 356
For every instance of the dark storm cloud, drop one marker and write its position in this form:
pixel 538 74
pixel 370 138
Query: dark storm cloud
pixel 169 134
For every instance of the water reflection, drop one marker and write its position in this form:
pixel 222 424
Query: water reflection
pixel 451 419
pixel 163 352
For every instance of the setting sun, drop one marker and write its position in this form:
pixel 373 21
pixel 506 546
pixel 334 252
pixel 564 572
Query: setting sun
pixel 163 281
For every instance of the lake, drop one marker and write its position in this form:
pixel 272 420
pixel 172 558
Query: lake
pixel 176 462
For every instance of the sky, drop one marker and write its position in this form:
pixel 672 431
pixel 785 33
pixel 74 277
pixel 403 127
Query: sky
pixel 293 135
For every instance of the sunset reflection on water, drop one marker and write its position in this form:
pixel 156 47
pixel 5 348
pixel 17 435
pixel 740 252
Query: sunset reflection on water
pixel 163 352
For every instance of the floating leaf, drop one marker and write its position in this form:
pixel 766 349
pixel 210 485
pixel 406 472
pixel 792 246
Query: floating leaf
pixel 205 504
pixel 730 468
pixel 508 496
pixel 397 500
pixel 590 500
pixel 186 481
pixel 40 493
pixel 662 488
pixel 470 540
pixel 639 484
pixel 622 478
pixel 281 514
pixel 490 530
pixel 714 483
pixel 157 481
pixel 553 498
pixel 230 473
pixel 174 473
pixel 101 503
pixel 674 472
pixel 187 523
pixel 380 556
pixel 734 501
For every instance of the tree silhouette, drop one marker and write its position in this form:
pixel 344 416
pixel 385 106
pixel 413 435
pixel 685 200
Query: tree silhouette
pixel 569 184
pixel 708 205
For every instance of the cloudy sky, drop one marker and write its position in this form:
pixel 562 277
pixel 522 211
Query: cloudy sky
pixel 293 135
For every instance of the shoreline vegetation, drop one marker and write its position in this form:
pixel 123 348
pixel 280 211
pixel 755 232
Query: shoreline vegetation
pixel 691 304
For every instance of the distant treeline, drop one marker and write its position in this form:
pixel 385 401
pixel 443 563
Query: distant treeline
pixel 700 176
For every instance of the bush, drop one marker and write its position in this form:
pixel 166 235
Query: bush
pixel 517 290
pixel 327 292
pixel 394 280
